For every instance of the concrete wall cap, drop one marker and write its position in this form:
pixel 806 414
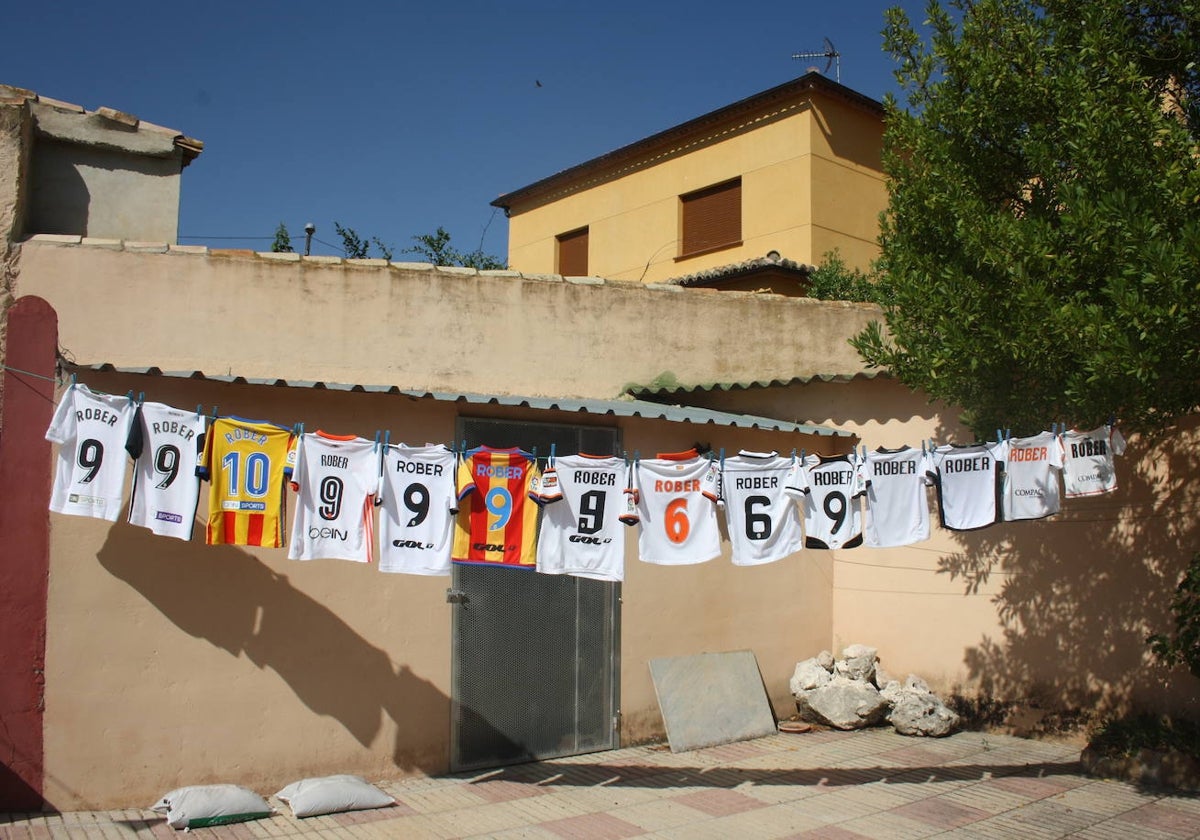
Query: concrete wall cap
pixel 585 281
pixel 202 250
pixel 413 266
pixel 146 247
pixel 368 262
pixel 456 269
pixel 283 256
pixel 56 238
pixel 499 272
pixel 59 104
pixel 323 260
pixel 98 242
pixel 552 278
pixel 665 287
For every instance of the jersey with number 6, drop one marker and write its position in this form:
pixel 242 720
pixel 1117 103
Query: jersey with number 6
pixel 581 533
pixel 166 443
pixel 337 479
pixel 762 519
pixel 677 510
pixel 246 463
pixel 416 523
pixel 92 431
pixel 497 518
pixel 831 489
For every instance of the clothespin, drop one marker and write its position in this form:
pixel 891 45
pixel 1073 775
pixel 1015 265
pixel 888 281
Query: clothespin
pixel 534 455
pixel 1008 434
pixel 864 451
pixel 636 456
pixel 198 410
pixel 141 397
pixel 1112 420
pixel 722 457
pixel 213 416
pixel 551 461
pixel 999 436
pixel 803 455
pixel 129 395
pixel 387 438
pixel 72 380
pixel 924 451
pixel 378 434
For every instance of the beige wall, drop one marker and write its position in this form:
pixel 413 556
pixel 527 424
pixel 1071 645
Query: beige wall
pixel 1056 610
pixel 365 322
pixel 175 663
pixel 811 182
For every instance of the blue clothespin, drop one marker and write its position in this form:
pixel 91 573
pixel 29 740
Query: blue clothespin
pixel 198 410
pixel 378 434
pixel 387 438
pixel 999 436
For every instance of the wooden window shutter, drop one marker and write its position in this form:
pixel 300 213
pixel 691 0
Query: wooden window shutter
pixel 712 217
pixel 573 253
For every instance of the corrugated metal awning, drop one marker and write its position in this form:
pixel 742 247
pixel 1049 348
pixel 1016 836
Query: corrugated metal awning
pixel 613 408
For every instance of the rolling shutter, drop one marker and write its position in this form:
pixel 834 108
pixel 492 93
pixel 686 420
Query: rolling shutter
pixel 573 253
pixel 712 217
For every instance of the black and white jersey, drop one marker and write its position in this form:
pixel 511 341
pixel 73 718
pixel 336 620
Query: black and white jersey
pixel 92 431
pixel 166 444
pixel 762 519
pixel 897 503
pixel 968 485
pixel 585 500
pixel 420 502
pixel 1088 468
pixel 831 490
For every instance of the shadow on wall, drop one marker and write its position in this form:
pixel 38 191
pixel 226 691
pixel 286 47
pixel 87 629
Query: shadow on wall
pixel 1081 591
pixel 228 597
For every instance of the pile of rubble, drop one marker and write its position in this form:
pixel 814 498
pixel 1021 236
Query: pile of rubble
pixel 853 692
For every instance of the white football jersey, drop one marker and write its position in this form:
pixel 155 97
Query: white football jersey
pixel 1031 468
pixel 762 520
pixel 166 444
pixel 337 479
pixel 92 431
pixel 420 501
pixel 968 485
pixel 1088 468
pixel 897 504
pixel 581 532
pixel 831 490
pixel 677 510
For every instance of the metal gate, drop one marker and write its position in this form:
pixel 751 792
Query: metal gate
pixel 535 657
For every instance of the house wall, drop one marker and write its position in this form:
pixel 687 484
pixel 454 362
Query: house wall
pixel 174 663
pixel 792 161
pixel 1055 611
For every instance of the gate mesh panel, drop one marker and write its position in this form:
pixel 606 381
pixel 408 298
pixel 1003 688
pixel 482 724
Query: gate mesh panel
pixel 534 670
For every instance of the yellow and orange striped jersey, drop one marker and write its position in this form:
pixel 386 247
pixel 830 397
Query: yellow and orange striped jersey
pixel 497 520
pixel 246 463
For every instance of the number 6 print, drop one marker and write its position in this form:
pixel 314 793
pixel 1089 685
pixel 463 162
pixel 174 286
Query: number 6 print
pixel 676 521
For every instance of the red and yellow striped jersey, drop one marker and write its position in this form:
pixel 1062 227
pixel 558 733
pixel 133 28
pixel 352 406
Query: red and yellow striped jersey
pixel 497 521
pixel 246 463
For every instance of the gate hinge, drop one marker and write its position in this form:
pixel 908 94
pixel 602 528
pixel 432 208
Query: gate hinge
pixel 617 721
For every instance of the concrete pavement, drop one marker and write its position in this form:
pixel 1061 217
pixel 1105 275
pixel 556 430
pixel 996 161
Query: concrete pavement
pixel 818 785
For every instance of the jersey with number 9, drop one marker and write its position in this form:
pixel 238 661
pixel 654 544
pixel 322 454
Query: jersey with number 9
pixel 166 443
pixel 416 523
pixel 497 519
pixel 246 463
pixel 92 430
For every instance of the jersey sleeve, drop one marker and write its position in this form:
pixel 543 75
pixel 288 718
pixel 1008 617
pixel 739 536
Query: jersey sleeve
pixel 289 463
pixel 796 483
pixel 629 498
pixel 710 485
pixel 548 490
pixel 62 425
pixel 463 483
pixel 1117 440
pixel 295 463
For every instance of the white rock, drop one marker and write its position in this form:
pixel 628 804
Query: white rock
pixel 843 704
pixel 808 675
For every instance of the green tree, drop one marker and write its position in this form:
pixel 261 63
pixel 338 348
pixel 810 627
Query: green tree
pixel 356 247
pixel 1041 247
pixel 283 242
pixel 436 248
pixel 834 280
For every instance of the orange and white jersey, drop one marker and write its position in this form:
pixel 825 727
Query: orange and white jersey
pixel 1031 468
pixel 336 479
pixel 677 510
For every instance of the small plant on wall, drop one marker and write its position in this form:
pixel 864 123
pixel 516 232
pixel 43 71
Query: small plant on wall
pixel 1183 647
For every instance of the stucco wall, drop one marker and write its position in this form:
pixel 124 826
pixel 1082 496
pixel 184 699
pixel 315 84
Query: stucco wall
pixel 364 322
pixel 176 663
pixel 1055 611
pixel 811 181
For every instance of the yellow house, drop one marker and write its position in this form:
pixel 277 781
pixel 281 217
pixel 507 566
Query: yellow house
pixel 793 172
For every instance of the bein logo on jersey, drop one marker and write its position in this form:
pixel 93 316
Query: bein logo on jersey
pixel 166 516
pixel 328 534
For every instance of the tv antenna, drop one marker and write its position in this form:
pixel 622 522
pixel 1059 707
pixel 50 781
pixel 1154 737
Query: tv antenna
pixel 832 57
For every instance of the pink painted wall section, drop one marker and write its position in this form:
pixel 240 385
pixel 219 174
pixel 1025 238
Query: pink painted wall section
pixel 25 549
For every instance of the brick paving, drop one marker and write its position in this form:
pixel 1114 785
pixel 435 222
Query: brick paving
pixel 814 786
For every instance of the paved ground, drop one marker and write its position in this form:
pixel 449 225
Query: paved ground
pixel 823 786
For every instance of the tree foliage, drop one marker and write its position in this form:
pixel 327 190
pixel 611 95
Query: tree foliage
pixel 356 247
pixel 283 242
pixel 1041 247
pixel 436 248
pixel 1183 646
pixel 834 280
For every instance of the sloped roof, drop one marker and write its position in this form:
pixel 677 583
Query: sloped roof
pixel 808 83
pixel 655 394
pixel 772 262
pixel 616 408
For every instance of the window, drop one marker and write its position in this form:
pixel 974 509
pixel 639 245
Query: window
pixel 573 253
pixel 712 218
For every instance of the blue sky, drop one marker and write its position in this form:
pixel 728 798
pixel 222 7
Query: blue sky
pixel 395 118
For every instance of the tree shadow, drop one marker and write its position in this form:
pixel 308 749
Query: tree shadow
pixel 228 597
pixel 1081 591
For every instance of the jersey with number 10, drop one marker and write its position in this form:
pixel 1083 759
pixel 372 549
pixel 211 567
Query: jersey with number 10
pixel 91 431
pixel 497 518
pixel 246 463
